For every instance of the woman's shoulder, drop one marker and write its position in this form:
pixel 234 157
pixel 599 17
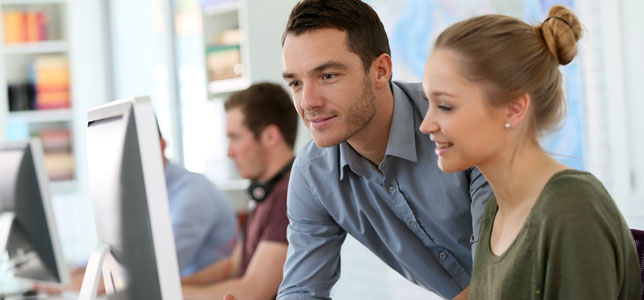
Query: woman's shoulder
pixel 575 185
pixel 579 194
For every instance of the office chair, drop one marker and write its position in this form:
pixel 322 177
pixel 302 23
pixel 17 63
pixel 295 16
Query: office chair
pixel 638 235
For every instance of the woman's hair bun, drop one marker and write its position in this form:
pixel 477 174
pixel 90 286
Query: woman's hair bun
pixel 561 30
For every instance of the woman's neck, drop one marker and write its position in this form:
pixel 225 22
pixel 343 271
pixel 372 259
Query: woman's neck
pixel 518 176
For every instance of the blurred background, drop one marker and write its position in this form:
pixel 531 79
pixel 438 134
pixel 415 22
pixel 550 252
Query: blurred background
pixel 61 57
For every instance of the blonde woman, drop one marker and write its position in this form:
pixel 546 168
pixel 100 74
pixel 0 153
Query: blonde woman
pixel 550 232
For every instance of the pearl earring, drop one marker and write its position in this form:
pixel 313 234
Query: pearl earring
pixel 507 125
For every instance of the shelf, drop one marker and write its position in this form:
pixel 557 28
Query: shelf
pixel 62 187
pixel 42 116
pixel 221 8
pixel 31 2
pixel 233 184
pixel 227 85
pixel 35 47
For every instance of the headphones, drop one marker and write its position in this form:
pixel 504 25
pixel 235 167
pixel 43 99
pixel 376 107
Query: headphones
pixel 258 191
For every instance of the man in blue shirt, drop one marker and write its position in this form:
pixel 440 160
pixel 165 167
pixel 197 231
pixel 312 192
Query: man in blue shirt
pixel 203 221
pixel 370 172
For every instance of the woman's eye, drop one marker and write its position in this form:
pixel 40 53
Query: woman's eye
pixel 444 107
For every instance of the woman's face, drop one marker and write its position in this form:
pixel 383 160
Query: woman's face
pixel 467 130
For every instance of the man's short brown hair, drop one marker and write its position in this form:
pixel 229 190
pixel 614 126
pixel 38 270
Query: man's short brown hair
pixel 263 104
pixel 366 35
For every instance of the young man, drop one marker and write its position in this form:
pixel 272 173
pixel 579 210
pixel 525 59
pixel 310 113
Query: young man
pixel 370 173
pixel 203 221
pixel 261 125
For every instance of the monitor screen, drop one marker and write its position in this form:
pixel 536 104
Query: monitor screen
pixel 28 231
pixel 131 211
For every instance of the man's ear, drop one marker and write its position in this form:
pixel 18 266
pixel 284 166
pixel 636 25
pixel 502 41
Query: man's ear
pixel 271 135
pixel 517 109
pixel 382 66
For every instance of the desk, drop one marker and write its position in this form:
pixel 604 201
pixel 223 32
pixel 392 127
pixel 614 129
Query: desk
pixel 64 296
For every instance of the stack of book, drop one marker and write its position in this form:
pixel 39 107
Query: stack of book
pixel 21 26
pixel 59 160
pixel 50 76
pixel 223 59
pixel 22 96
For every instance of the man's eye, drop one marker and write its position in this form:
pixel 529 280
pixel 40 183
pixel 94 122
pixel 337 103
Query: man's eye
pixel 329 76
pixel 294 83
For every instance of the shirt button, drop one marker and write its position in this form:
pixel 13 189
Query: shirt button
pixel 392 189
pixel 413 224
pixel 442 255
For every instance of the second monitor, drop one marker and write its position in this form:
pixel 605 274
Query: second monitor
pixel 137 252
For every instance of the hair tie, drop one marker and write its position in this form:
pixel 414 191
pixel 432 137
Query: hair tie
pixel 558 18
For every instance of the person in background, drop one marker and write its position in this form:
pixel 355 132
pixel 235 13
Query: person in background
pixel 549 232
pixel 261 125
pixel 369 171
pixel 203 221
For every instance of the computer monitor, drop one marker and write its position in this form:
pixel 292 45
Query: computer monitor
pixel 28 229
pixel 136 249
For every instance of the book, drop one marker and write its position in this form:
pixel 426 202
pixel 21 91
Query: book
pixel 21 26
pixel 51 81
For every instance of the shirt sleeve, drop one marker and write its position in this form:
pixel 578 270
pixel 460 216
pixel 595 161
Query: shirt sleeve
pixel 480 192
pixel 313 259
pixel 193 212
pixel 275 228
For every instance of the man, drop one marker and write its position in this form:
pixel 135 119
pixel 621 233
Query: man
pixel 261 125
pixel 370 173
pixel 203 221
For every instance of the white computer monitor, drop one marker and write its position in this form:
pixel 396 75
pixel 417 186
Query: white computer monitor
pixel 136 252
pixel 28 229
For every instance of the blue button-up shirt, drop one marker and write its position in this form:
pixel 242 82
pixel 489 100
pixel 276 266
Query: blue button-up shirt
pixel 419 220
pixel 203 221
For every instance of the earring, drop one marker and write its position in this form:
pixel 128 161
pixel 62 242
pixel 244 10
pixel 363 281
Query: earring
pixel 507 125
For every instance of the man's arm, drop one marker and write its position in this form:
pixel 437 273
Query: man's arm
pixel 480 192
pixel 313 263
pixel 219 271
pixel 192 212
pixel 260 281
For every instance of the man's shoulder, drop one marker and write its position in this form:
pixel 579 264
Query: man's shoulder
pixel 414 89
pixel 187 177
pixel 312 156
pixel 413 92
pixel 194 183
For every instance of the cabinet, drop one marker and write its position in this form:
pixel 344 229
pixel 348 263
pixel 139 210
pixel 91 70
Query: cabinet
pixel 36 82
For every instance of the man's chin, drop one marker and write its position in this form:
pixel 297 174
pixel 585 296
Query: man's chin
pixel 326 142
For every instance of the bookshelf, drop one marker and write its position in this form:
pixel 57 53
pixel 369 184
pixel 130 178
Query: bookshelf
pixel 226 69
pixel 242 43
pixel 35 79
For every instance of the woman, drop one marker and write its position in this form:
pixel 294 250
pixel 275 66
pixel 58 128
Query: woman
pixel 550 232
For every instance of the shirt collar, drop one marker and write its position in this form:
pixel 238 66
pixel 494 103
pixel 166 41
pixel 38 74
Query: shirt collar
pixel 401 142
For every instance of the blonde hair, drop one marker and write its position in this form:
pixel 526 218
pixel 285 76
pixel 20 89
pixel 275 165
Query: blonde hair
pixel 512 58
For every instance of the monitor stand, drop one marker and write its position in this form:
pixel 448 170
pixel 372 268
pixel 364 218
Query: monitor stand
pixel 89 288
pixel 6 222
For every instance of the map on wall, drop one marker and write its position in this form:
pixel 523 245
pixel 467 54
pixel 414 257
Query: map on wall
pixel 413 25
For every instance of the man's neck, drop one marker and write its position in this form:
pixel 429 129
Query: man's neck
pixel 371 141
pixel 276 163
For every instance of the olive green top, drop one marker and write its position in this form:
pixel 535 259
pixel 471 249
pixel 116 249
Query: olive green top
pixel 574 244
